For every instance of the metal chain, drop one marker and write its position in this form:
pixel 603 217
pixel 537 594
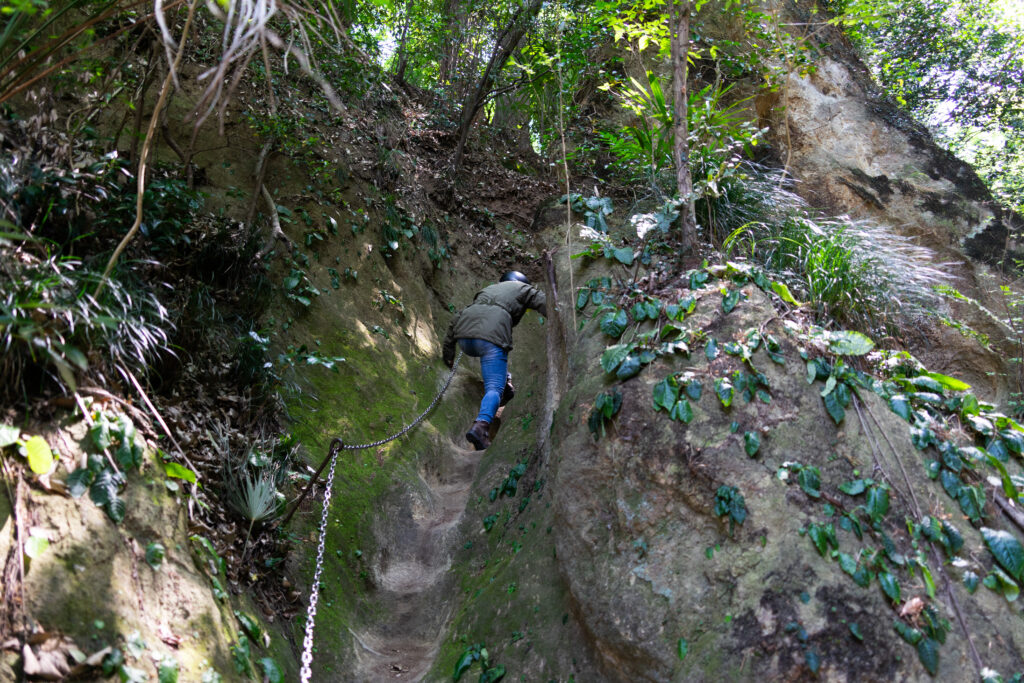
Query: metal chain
pixel 314 594
pixel 419 419
pixel 336 446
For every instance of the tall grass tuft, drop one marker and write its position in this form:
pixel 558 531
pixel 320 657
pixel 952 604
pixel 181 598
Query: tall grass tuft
pixel 52 327
pixel 857 272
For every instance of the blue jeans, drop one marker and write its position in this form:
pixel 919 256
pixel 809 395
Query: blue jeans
pixel 494 368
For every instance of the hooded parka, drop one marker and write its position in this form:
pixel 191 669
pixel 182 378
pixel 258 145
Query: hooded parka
pixel 495 310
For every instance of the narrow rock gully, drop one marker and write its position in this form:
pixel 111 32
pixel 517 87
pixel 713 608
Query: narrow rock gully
pixel 415 589
pixel 413 581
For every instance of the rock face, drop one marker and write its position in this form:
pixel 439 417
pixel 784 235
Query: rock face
pixel 853 153
pixel 92 587
pixel 650 565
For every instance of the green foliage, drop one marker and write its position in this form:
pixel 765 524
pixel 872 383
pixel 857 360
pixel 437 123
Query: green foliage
pixel 510 485
pixel 213 563
pixel 477 653
pixel 594 209
pixel 729 501
pixel 856 272
pixel 49 322
pixel 1007 550
pixel 155 553
pixel 99 477
pixel 606 406
pixel 719 133
pixel 667 396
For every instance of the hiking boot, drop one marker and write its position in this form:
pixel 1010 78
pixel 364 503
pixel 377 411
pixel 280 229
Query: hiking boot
pixel 508 393
pixel 478 435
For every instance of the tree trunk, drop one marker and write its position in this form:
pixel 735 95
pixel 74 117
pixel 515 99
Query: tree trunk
pixel 680 19
pixel 455 15
pixel 403 54
pixel 504 46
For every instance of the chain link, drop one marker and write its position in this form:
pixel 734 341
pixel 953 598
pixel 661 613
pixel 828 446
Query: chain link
pixel 336 446
pixel 415 422
pixel 314 594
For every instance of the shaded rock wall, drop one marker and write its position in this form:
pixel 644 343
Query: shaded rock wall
pixel 648 561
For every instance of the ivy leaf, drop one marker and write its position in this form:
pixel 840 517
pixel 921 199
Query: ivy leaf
pixel 730 299
pixel 581 298
pixel 78 481
pixel 36 546
pixel 890 586
pixel 682 411
pixel 492 675
pixel 951 383
pixel 908 633
pixel 683 648
pixel 116 510
pixel 1006 549
pixel 176 471
pixel 819 538
pixel 623 255
pixel 155 553
pixel 971 581
pixel 614 355
pixel 463 665
pixel 849 343
pixel 951 483
pixel 926 383
pixel 877 505
pixel 900 405
pixel 665 394
pixel 100 433
pixel 271 671
pixel 8 435
pixel 855 487
pixel 630 367
pixel 167 670
pixel 1009 488
pixel 928 653
pixel 810 481
pixel 956 539
pixel 970 405
pixel 782 290
pixel 694 389
pixel 40 457
pixel 847 563
pixel 711 349
pixel 1000 581
pixel 972 502
pixel 652 309
pixel 834 407
pixel 614 324
pixel 751 443
pixel 724 391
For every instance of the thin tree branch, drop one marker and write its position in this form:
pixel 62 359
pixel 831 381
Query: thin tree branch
pixel 145 151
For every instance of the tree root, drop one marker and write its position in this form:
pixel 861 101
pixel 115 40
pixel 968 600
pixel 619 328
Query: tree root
pixel 276 233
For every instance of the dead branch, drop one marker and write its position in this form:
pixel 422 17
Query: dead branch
pixel 145 152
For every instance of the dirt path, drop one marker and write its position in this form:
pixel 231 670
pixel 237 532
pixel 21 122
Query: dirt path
pixel 414 586
pixel 413 583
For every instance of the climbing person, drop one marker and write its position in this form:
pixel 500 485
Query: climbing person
pixel 484 329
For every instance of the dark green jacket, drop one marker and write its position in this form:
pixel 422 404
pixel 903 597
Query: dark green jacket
pixel 492 315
